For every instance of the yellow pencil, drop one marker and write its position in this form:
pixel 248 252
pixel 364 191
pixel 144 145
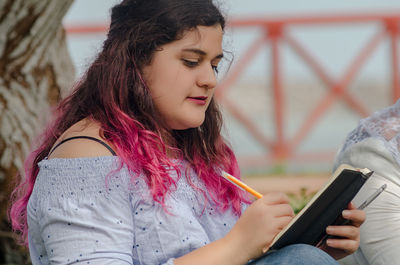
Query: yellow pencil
pixel 240 184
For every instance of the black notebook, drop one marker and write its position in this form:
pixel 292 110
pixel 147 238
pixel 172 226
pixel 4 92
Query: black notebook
pixel 309 225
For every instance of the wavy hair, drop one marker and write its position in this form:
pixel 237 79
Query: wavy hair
pixel 113 93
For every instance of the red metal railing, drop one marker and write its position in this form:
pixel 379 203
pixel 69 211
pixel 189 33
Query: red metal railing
pixel 275 35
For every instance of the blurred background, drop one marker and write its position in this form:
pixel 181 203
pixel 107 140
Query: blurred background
pixel 302 74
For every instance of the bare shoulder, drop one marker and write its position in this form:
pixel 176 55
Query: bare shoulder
pixel 81 147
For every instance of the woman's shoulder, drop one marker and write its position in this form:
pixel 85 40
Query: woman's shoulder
pixel 371 146
pixel 73 158
pixel 76 146
pixel 373 153
pixel 87 171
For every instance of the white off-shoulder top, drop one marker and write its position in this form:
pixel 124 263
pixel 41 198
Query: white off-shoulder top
pixel 77 215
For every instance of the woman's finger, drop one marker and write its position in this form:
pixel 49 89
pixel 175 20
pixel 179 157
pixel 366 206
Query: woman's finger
pixel 275 198
pixel 283 210
pixel 357 217
pixel 345 231
pixel 346 245
pixel 283 221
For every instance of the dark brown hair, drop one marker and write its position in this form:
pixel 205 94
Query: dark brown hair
pixel 113 93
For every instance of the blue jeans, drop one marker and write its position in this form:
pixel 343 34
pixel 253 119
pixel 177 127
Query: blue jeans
pixel 299 254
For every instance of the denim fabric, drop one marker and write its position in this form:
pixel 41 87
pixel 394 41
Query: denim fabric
pixel 299 254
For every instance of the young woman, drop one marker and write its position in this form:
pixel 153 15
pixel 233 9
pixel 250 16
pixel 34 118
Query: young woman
pixel 130 170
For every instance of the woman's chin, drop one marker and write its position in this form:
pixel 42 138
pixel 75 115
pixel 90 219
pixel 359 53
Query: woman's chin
pixel 188 125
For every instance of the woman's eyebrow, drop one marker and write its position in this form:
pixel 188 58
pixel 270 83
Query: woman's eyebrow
pixel 202 53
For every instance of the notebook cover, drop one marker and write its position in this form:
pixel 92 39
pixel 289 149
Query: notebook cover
pixel 309 228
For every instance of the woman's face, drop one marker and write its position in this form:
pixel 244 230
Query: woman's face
pixel 182 76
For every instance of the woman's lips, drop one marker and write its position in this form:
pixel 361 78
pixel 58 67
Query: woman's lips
pixel 199 100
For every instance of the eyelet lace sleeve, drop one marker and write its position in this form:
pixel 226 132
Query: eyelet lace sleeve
pixel 383 124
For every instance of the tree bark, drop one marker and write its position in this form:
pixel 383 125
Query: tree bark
pixel 35 71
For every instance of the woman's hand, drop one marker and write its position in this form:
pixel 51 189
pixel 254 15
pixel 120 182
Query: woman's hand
pixel 259 224
pixel 254 230
pixel 348 235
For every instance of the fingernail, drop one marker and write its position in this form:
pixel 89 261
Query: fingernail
pixel 346 213
pixel 328 242
pixel 329 229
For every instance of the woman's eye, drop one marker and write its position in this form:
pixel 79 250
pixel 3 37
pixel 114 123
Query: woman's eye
pixel 215 68
pixel 190 63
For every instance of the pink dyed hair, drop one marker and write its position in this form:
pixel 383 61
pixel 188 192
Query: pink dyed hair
pixel 113 93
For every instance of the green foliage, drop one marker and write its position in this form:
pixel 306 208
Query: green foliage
pixel 278 169
pixel 299 200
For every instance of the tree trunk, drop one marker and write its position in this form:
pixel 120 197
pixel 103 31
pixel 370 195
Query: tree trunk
pixel 35 70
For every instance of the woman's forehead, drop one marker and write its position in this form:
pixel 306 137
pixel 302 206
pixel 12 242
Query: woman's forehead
pixel 203 38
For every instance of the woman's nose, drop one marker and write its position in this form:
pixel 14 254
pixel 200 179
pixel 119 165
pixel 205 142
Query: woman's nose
pixel 207 77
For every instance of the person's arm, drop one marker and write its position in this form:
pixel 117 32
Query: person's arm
pixel 255 230
pixel 74 214
pixel 259 225
pixel 380 234
pixel 79 219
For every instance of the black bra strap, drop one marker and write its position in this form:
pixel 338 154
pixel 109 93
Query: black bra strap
pixel 83 137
